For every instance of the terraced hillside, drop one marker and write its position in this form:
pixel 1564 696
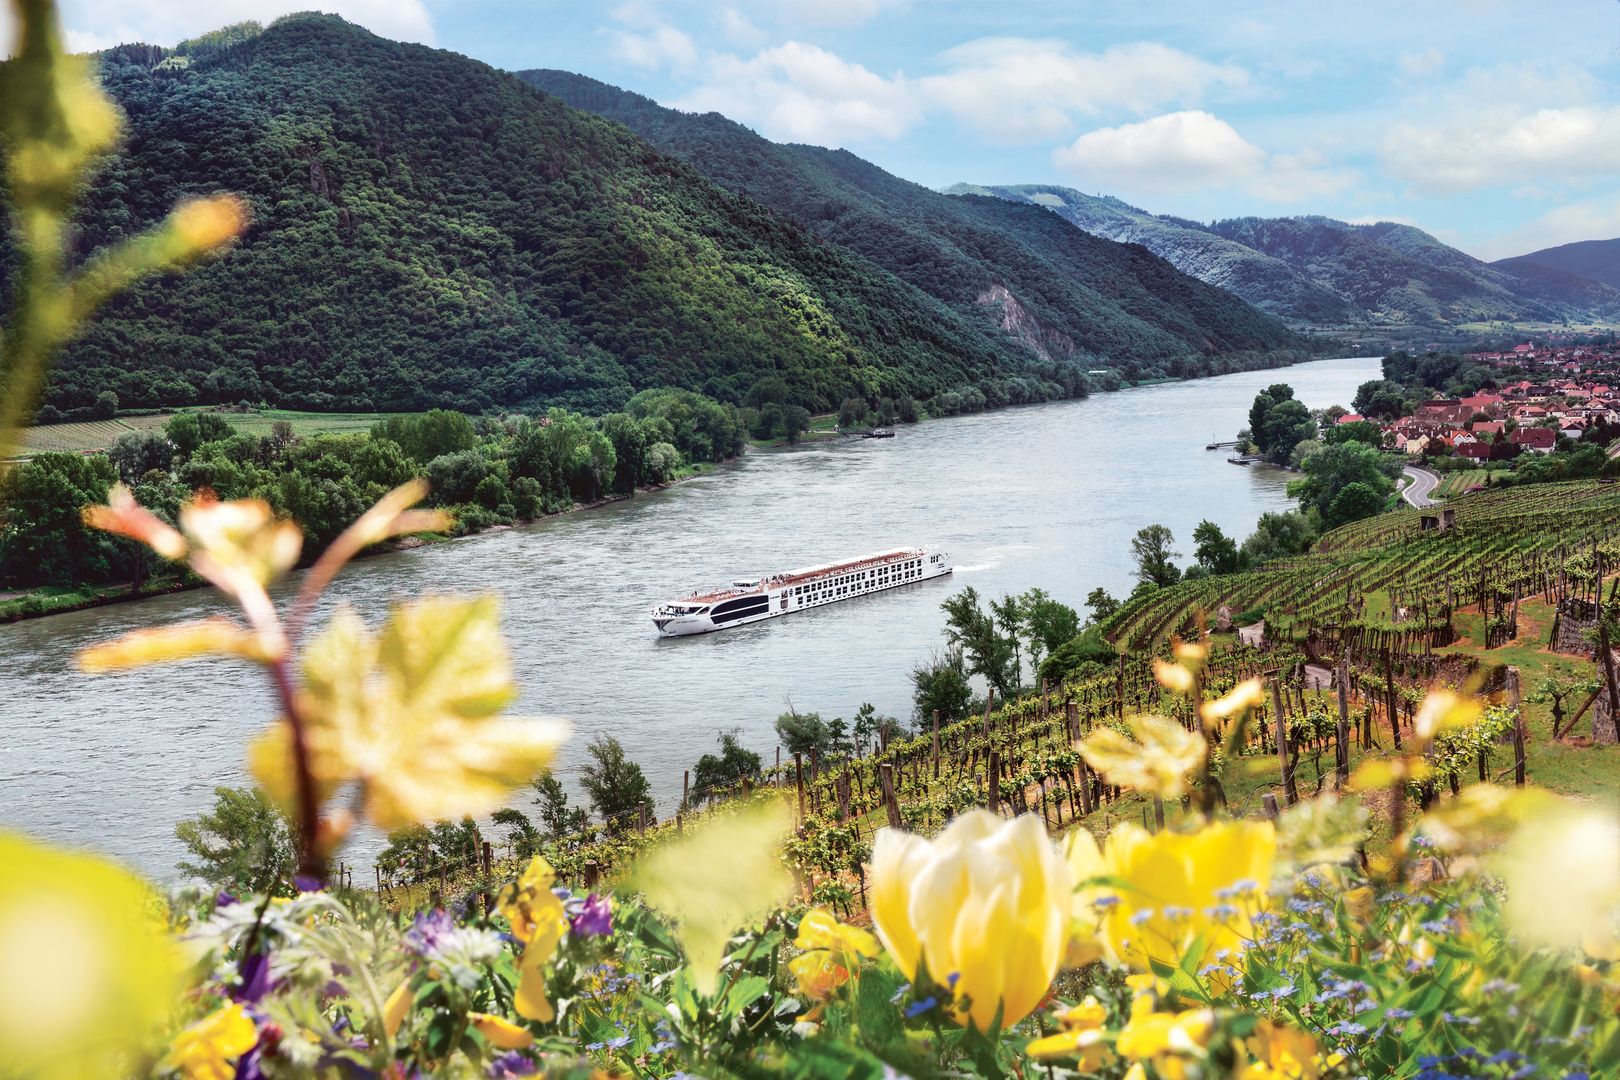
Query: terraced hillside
pixel 1388 573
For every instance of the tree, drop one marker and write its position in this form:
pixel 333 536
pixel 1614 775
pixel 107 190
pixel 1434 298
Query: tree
pixel 616 785
pixel 559 818
pixel 1381 398
pixel 716 773
pixel 1362 431
pixel 987 651
pixel 1287 423
pixel 1277 535
pixel 1353 502
pixel 428 435
pixel 1215 551
pixel 1557 686
pixel 1333 468
pixel 43 538
pixel 136 453
pixel 245 843
pixel 1101 603
pixel 941 683
pixel 1084 655
pixel 521 835
pixel 1047 624
pixel 188 431
pixel 803 733
pixel 1151 548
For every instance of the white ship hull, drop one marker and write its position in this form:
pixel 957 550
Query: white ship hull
pixel 797 590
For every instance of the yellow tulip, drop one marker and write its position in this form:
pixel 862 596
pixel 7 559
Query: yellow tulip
pixel 500 1032
pixel 1185 886
pixel 1088 1046
pixel 1279 1052
pixel 1086 942
pixel 208 1049
pixel 1164 1038
pixel 984 908
pixel 538 921
pixel 397 1007
pixel 89 974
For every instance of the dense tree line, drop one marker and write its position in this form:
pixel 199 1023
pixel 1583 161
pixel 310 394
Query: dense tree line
pixel 489 470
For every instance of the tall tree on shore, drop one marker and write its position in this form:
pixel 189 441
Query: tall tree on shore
pixel 1152 549
pixel 616 785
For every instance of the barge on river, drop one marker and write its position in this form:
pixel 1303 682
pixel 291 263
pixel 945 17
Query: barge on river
pixel 750 600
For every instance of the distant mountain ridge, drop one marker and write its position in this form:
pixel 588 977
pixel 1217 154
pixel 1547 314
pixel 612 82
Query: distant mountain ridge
pixel 1323 272
pixel 1595 260
pixel 1061 291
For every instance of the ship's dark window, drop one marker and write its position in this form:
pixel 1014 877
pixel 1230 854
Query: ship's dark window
pixel 740 608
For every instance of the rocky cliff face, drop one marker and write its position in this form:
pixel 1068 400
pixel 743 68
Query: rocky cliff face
pixel 1044 341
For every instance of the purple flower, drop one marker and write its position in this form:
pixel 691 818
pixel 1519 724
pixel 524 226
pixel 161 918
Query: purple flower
pixel 247 1066
pixel 308 883
pixel 253 973
pixel 223 899
pixel 511 1063
pixel 428 931
pixel 594 918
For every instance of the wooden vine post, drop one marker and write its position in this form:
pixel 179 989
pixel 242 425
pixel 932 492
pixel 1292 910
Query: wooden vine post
pixel 1290 792
pixel 936 744
pixel 886 776
pixel 994 800
pixel 1341 755
pixel 1389 690
pixel 1514 700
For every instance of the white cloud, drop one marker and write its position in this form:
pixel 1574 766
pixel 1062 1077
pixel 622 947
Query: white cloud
pixel 648 42
pixel 802 93
pixel 1178 151
pixel 1195 150
pixel 1595 219
pixel 831 12
pixel 1416 65
pixel 740 30
pixel 1024 89
pixel 1499 147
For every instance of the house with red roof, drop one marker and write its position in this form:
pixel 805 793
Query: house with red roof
pixel 1541 440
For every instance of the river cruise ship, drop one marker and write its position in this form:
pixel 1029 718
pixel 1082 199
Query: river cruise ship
pixel 750 600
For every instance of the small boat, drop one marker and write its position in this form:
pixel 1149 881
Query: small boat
pixel 752 599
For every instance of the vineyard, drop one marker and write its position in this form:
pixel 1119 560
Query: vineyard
pixel 1390 575
pixel 1356 634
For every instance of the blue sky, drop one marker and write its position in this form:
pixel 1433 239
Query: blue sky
pixel 1494 124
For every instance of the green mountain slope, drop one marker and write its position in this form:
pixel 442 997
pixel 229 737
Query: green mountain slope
pixel 1595 260
pixel 1061 291
pixel 1321 271
pixel 430 231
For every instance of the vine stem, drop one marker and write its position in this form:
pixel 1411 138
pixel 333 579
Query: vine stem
pixel 311 863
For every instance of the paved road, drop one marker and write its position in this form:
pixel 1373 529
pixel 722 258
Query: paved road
pixel 1422 485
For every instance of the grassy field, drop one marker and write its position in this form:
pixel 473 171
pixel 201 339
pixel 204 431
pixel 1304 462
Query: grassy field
pixel 89 436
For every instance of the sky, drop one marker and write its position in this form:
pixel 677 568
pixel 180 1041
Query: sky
pixel 1494 124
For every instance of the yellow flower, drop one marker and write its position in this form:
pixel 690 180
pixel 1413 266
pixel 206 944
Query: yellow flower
pixel 397 1007
pixel 1157 762
pixel 500 1032
pixel 89 974
pixel 987 903
pixel 1240 699
pixel 205 224
pixel 539 922
pixel 1165 1039
pixel 1279 1052
pixel 1090 1013
pixel 1087 1045
pixel 716 879
pixel 410 714
pixel 833 950
pixel 1358 903
pixel 1086 943
pixel 1180 887
pixel 208 1049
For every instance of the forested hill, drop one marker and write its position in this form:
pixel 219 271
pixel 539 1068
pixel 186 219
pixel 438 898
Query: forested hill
pixel 429 231
pixel 1597 260
pixel 1062 291
pixel 1321 271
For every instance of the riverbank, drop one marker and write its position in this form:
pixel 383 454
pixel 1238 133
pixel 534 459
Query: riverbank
pixel 59 600
pixel 56 600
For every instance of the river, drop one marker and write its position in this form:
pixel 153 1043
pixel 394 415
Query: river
pixel 1045 495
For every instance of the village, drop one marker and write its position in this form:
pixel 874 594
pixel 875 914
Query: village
pixel 1547 393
